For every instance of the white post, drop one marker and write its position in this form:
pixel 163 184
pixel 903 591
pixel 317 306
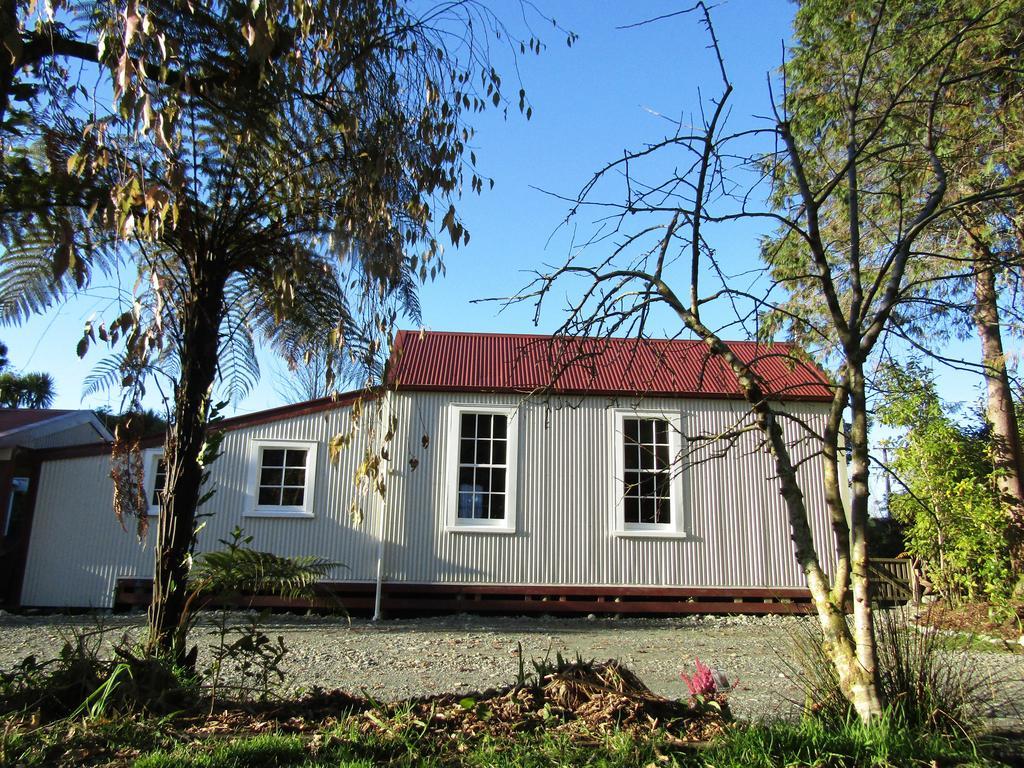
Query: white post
pixel 385 469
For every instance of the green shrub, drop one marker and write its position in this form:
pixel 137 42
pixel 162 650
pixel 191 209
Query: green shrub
pixel 928 686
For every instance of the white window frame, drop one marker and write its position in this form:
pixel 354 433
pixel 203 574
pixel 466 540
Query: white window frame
pixel 150 457
pixel 455 524
pixel 677 527
pixel 253 508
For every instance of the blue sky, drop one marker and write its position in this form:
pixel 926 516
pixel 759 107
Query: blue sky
pixel 590 102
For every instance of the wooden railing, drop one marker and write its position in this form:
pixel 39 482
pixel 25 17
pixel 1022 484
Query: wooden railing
pixel 892 579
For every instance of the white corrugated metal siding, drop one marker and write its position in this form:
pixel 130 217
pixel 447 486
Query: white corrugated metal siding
pixel 739 536
pixel 78 549
pixel 735 516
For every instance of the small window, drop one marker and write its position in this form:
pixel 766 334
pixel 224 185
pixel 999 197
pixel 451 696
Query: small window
pixel 154 478
pixel 282 478
pixel 647 482
pixel 481 456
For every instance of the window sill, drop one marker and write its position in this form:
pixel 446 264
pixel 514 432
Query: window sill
pixel 479 529
pixel 284 512
pixel 641 534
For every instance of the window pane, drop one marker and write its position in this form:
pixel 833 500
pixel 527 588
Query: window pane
pixel 483 479
pixel 296 458
pixel 465 505
pixel 465 478
pixel 498 480
pixel 662 453
pixel 295 476
pixel 646 457
pixel 500 426
pixel 484 499
pixel 631 453
pixel 632 509
pixel 631 483
pixel 292 497
pixel 270 497
pixel 467 451
pixel 273 457
pixel 662 489
pixel 498 452
pixel 497 506
pixel 661 431
pixel 646 431
pixel 483 452
pixel 631 430
pixel 483 425
pixel 647 484
pixel 647 510
pixel 271 476
pixel 664 511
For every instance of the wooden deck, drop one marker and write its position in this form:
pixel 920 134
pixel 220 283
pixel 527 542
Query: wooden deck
pixel 411 599
pixel 893 581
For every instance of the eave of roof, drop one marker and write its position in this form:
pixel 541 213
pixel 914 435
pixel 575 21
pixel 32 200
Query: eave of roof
pixel 235 422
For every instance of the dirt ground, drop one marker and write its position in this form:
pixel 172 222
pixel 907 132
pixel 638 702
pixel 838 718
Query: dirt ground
pixel 403 658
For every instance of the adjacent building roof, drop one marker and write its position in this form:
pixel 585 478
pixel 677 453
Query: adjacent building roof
pixel 20 426
pixel 490 362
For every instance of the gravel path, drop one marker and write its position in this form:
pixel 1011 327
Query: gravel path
pixel 403 658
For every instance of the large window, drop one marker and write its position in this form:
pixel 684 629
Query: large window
pixel 647 478
pixel 482 450
pixel 647 472
pixel 281 478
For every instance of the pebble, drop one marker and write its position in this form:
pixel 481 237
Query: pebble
pixel 405 657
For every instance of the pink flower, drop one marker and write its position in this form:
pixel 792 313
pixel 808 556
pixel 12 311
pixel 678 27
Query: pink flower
pixel 702 683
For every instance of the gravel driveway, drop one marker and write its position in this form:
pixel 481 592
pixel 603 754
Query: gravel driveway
pixel 404 658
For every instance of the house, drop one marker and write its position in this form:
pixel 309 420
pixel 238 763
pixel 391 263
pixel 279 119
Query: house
pixel 493 472
pixel 22 432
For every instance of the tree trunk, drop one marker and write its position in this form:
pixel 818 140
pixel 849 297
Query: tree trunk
pixel 866 692
pixel 1005 443
pixel 854 665
pixel 200 323
pixel 9 22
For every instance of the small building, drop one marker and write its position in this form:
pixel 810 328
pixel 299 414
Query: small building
pixel 493 472
pixel 23 432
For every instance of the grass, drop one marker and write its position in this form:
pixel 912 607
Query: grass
pixel 286 751
pixel 812 743
pixel 147 743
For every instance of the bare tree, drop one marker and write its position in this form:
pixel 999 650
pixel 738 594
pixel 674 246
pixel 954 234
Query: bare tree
pixel 667 261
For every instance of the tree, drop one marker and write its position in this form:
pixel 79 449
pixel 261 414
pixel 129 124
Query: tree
pixel 24 390
pixel 665 261
pixel 270 170
pixel 945 495
pixel 959 263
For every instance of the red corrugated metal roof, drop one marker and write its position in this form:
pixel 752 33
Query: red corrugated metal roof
pixel 19 418
pixel 487 362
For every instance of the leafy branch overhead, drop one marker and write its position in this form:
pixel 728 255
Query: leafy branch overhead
pixel 285 171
